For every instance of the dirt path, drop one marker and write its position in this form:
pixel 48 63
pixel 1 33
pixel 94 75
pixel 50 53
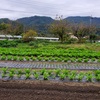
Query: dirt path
pixel 46 90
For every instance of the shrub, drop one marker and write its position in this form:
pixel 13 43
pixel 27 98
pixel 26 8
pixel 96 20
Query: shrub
pixel 34 44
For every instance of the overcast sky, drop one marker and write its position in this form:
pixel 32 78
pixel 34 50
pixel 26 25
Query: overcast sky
pixel 14 9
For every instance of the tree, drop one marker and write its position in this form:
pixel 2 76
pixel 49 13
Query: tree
pixel 59 28
pixel 4 27
pixel 15 29
pixel 92 38
pixel 92 34
pixel 80 31
pixel 29 36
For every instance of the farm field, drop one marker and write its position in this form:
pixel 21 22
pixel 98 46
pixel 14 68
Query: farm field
pixel 60 75
pixel 41 90
pixel 51 71
pixel 54 52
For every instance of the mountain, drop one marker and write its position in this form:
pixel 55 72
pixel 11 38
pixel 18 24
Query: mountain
pixel 35 20
pixel 87 20
pixel 41 23
pixel 5 20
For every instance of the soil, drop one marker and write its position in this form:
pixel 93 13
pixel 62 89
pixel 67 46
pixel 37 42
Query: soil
pixel 48 90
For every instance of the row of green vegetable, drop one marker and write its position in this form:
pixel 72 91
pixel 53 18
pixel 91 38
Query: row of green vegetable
pixel 44 74
pixel 39 58
pixel 47 52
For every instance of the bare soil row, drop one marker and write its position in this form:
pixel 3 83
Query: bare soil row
pixel 48 90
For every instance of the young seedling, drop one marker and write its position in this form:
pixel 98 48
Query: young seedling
pixel 49 72
pixel 98 77
pixel 43 71
pixel 27 71
pixel 3 75
pixel 96 72
pixel 12 71
pixel 4 70
pixel 66 72
pixel 18 75
pixel 45 76
pixel 36 75
pixel 27 76
pixel 80 76
pixel 62 76
pixel 57 72
pixel 11 75
pixel 89 77
pixel 19 71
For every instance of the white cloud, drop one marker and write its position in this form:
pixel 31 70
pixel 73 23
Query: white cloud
pixel 22 8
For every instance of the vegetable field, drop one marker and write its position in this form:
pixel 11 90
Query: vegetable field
pixel 55 75
pixel 49 54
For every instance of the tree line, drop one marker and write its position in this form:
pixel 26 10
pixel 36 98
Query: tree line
pixel 59 28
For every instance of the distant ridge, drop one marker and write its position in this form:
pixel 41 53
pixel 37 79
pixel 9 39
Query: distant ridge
pixel 41 23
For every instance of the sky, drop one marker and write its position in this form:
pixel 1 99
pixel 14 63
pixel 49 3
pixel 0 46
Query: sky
pixel 14 9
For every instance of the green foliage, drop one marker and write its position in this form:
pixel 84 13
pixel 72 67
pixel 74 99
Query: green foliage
pixel 98 77
pixel 27 58
pixel 57 72
pixel 62 76
pixel 7 43
pixel 27 75
pixel 45 75
pixel 29 36
pixel 97 72
pixel 15 58
pixel 49 53
pixel 9 57
pixel 80 76
pixel 18 75
pixel 21 59
pixel 3 57
pixel 4 70
pixel 12 71
pixel 19 71
pixel 42 71
pixel 27 71
pixel 60 28
pixel 11 75
pixel 36 75
pixel 65 72
pixel 72 75
pixel 89 76
pixel 3 75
